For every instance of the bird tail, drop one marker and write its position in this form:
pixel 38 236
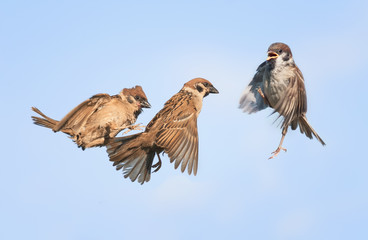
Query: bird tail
pixel 128 154
pixel 45 121
pixel 306 128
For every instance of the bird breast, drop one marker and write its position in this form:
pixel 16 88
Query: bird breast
pixel 195 97
pixel 276 82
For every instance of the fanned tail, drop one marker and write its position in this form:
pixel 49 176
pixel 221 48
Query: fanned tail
pixel 306 128
pixel 128 154
pixel 45 121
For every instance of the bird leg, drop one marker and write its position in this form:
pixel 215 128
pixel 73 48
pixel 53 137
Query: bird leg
pixel 259 90
pixel 158 164
pixel 134 127
pixel 275 153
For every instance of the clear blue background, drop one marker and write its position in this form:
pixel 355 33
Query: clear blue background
pixel 56 54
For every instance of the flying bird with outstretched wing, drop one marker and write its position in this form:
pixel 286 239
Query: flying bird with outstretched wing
pixel 173 131
pixel 279 84
pixel 99 118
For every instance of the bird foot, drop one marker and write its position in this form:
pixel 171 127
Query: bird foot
pixel 158 164
pixel 265 100
pixel 275 153
pixel 259 90
pixel 136 127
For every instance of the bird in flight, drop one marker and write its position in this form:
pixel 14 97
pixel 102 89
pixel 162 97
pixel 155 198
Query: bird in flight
pixel 99 118
pixel 173 131
pixel 279 84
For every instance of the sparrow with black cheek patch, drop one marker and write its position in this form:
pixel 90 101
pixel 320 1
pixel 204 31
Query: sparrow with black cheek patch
pixel 173 130
pixel 279 84
pixel 99 118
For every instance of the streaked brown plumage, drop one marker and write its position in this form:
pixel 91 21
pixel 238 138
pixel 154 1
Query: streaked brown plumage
pixel 279 84
pixel 173 130
pixel 99 118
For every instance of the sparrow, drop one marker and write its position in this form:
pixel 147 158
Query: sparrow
pixel 279 84
pixel 99 118
pixel 173 131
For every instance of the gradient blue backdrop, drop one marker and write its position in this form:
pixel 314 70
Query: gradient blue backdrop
pixel 56 54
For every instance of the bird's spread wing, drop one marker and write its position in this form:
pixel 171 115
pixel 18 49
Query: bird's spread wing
pixel 178 135
pixel 80 114
pixel 251 101
pixel 294 103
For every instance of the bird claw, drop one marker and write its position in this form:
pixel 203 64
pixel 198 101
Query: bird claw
pixel 275 153
pixel 136 127
pixel 265 100
pixel 259 90
pixel 158 164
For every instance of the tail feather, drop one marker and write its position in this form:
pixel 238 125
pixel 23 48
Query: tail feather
pixel 307 129
pixel 45 121
pixel 133 168
pixel 129 156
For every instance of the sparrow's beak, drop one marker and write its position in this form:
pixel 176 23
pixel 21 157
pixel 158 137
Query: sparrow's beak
pixel 145 104
pixel 271 54
pixel 213 90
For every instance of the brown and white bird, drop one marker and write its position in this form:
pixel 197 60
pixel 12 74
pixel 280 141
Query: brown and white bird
pixel 99 118
pixel 279 84
pixel 173 131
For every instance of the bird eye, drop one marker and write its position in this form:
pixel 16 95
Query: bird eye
pixel 205 84
pixel 136 97
pixel 280 51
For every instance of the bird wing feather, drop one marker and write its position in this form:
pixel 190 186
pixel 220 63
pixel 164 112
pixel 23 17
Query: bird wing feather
pixel 294 103
pixel 178 135
pixel 77 117
pixel 251 101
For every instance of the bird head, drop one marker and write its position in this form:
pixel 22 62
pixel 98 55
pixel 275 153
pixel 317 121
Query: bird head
pixel 136 95
pixel 201 86
pixel 279 51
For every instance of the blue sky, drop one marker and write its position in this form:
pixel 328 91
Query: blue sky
pixel 56 54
